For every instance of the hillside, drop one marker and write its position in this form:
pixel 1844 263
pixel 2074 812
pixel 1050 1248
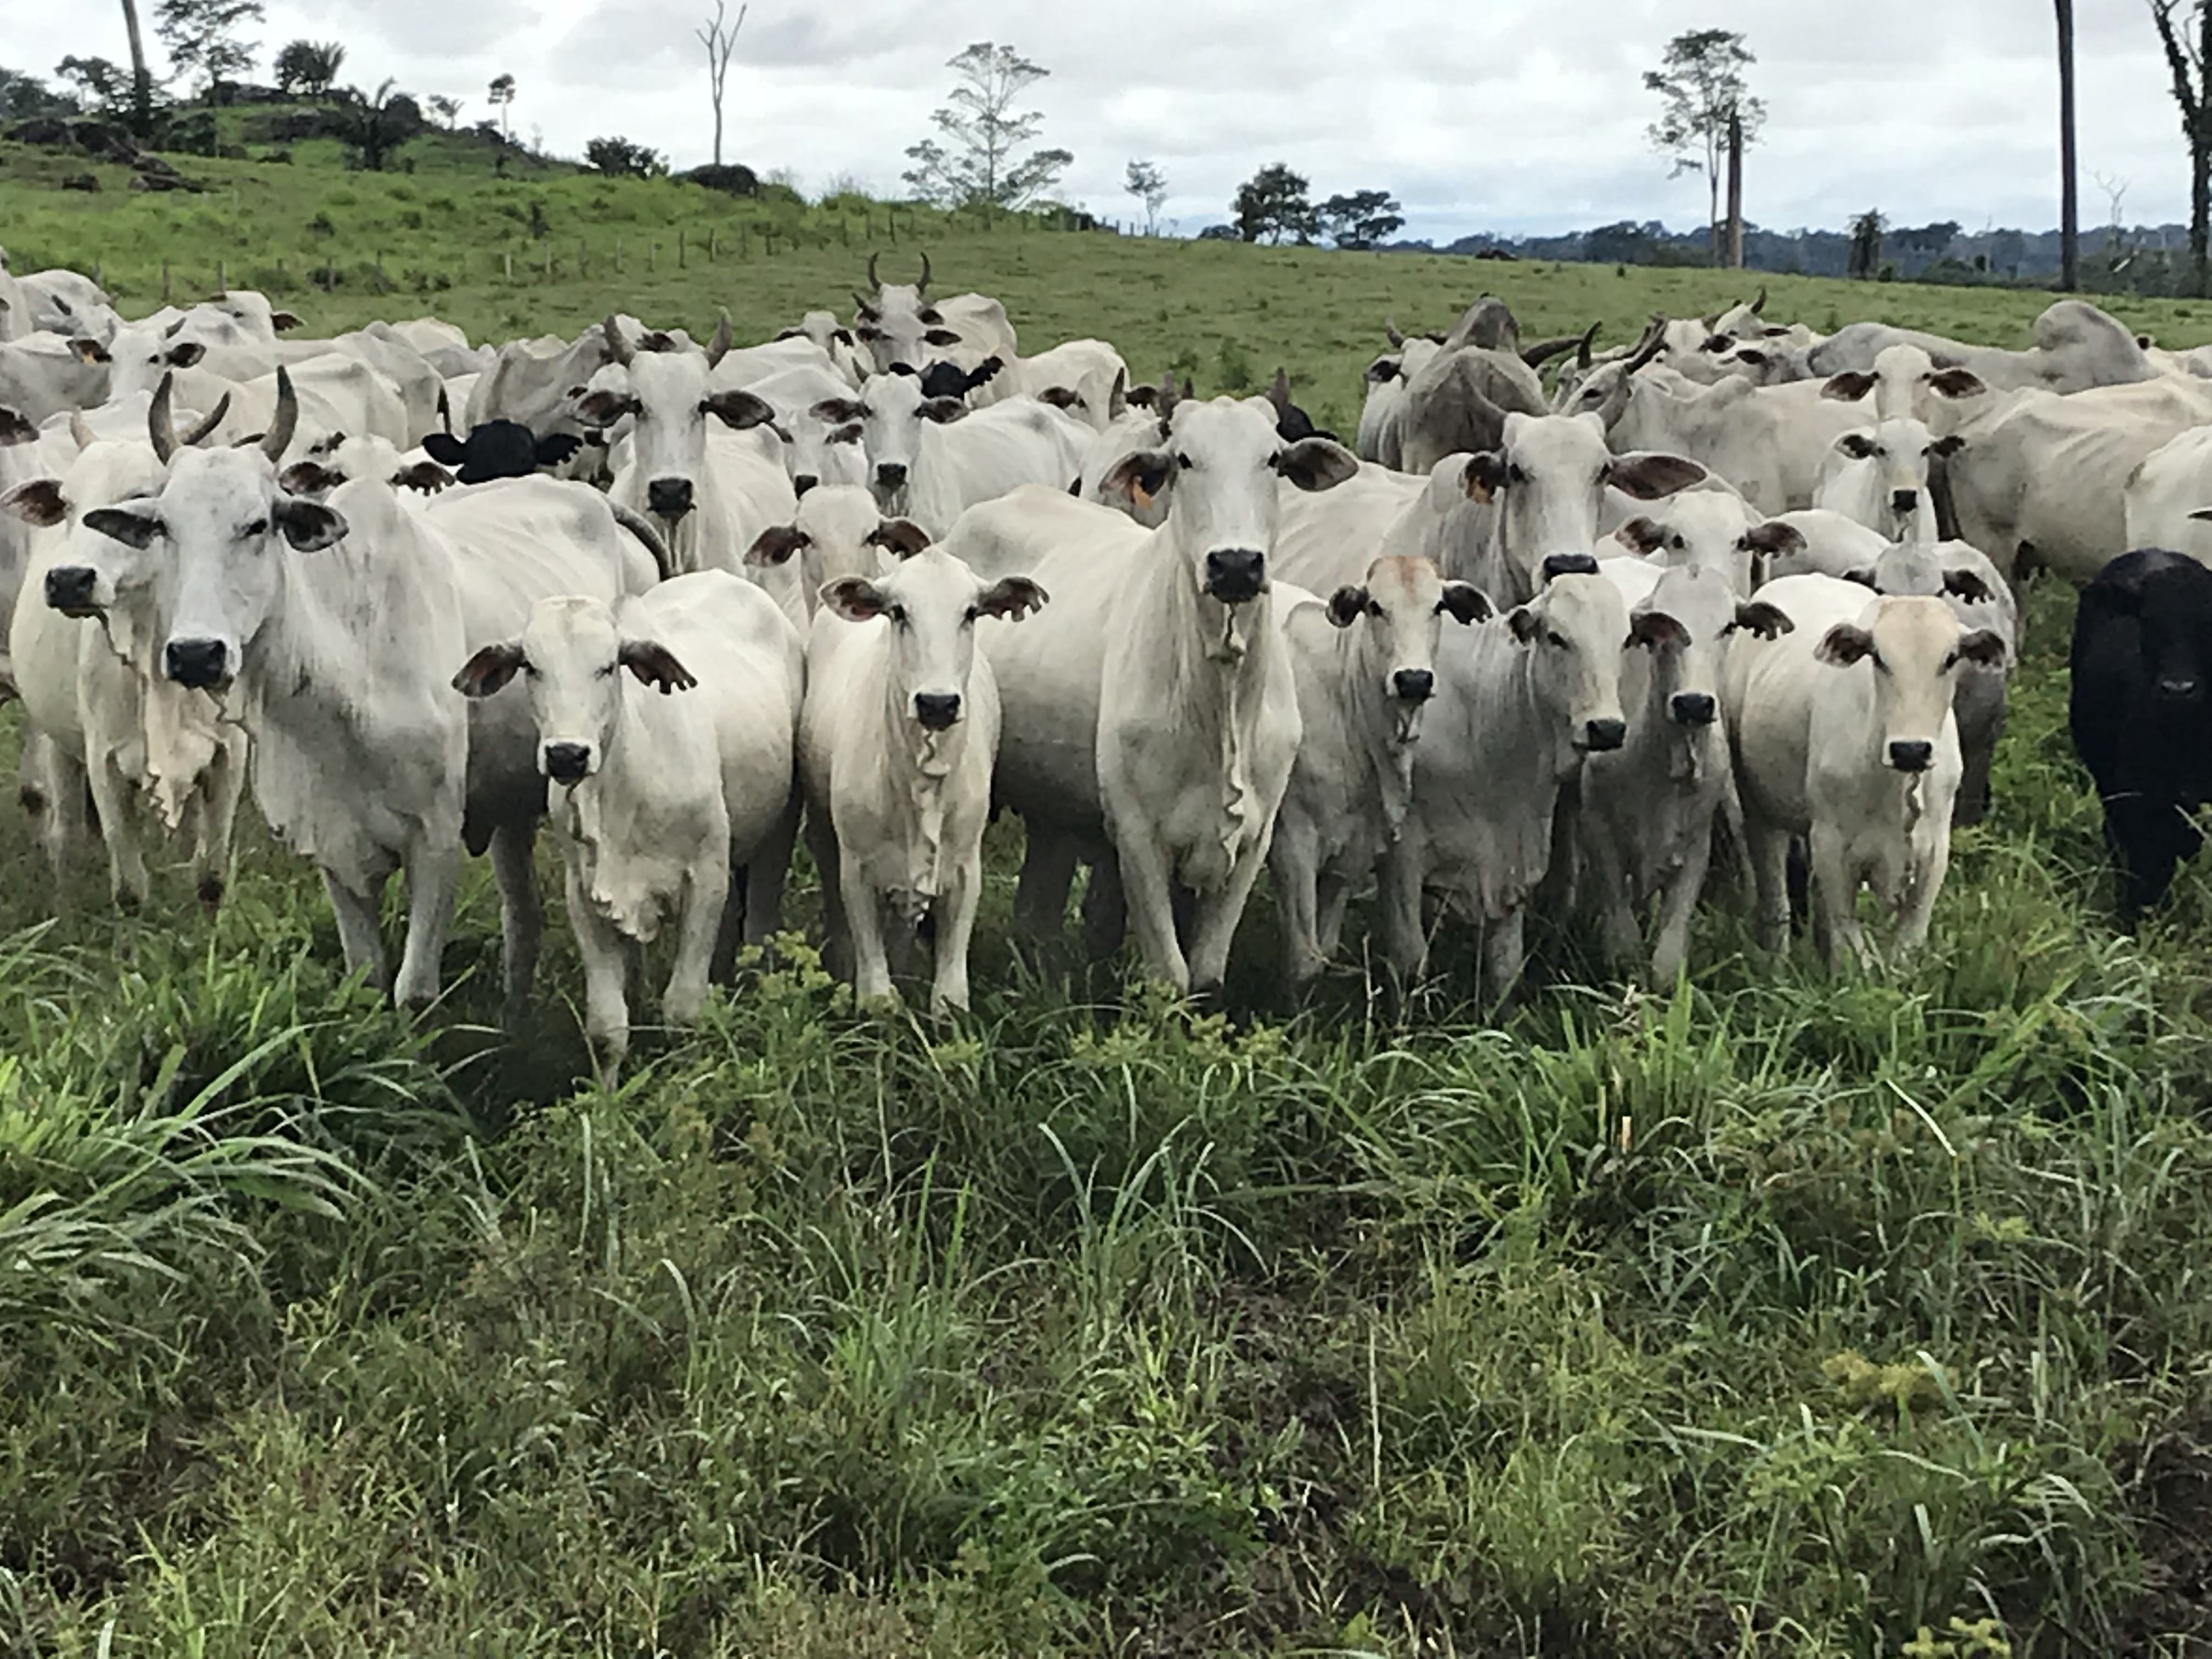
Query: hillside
pixel 1776 1317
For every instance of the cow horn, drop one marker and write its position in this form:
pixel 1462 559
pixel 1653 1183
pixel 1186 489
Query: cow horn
pixel 200 433
pixel 874 281
pixel 617 348
pixel 1544 350
pixel 1279 392
pixel 160 425
pixel 1759 306
pixel 1582 349
pixel 1654 337
pixel 288 418
pixel 718 347
pixel 79 433
pixel 1390 333
pixel 922 287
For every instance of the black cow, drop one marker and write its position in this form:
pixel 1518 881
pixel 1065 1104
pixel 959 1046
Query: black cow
pixel 2142 712
pixel 947 380
pixel 500 449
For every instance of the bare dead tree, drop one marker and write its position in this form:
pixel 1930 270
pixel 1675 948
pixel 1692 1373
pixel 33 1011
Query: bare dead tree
pixel 719 43
pixel 2070 201
pixel 2187 34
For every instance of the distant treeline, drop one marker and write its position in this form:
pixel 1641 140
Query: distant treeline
pixel 2143 259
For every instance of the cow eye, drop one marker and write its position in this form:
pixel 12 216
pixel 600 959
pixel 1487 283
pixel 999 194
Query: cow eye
pixel 1678 542
pixel 258 527
pixel 1552 637
pixel 1874 657
pixel 1189 465
pixel 1950 662
pixel 897 614
pixel 1515 474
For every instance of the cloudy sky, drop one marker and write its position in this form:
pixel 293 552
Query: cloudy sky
pixel 1516 115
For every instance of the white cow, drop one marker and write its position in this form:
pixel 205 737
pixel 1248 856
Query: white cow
pixel 1829 544
pixel 1382 416
pixel 1712 530
pixel 1519 703
pixel 1089 369
pixel 1154 706
pixel 1878 475
pixel 2168 502
pixel 836 342
pixel 1907 385
pixel 1365 662
pixel 837 532
pixel 660 796
pixel 902 326
pixel 69 304
pixel 897 744
pixel 1647 812
pixel 934 458
pixel 1844 734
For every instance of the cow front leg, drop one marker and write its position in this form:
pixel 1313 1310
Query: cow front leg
pixel 707 891
pixel 1678 908
pixel 433 870
pixel 863 918
pixel 1398 899
pixel 1504 955
pixel 1219 916
pixel 836 930
pixel 605 955
pixel 359 936
pixel 1835 899
pixel 1148 893
pixel 115 798
pixel 767 868
pixel 955 927
pixel 521 913
pixel 1768 846
pixel 1041 894
pixel 1293 863
pixel 222 788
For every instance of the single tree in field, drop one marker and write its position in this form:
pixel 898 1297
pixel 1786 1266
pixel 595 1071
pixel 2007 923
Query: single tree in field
pixel 2069 200
pixel 141 81
pixel 501 97
pixel 1148 185
pixel 1362 219
pixel 100 85
pixel 620 158
pixel 1274 204
pixel 309 67
pixel 206 36
pixel 719 43
pixel 447 110
pixel 1864 258
pixel 378 124
pixel 1701 78
pixel 981 163
pixel 2186 33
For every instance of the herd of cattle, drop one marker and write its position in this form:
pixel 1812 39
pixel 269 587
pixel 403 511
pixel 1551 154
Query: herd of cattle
pixel 1534 644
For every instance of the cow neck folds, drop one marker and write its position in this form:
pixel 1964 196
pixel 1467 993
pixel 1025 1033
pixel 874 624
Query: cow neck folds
pixel 1389 728
pixel 923 762
pixel 632 867
pixel 1221 654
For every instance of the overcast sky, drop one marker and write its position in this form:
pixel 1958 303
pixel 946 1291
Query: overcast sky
pixel 1515 115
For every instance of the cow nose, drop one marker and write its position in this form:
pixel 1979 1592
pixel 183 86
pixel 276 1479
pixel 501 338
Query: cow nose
pixel 196 663
pixel 1601 736
pixel 1691 708
pixel 937 710
pixel 567 762
pixel 68 590
pixel 802 482
pixel 890 474
pixel 1905 501
pixel 1912 757
pixel 1414 684
pixel 1235 574
pixel 671 498
pixel 2173 688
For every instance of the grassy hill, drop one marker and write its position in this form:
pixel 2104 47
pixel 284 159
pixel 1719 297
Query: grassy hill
pixel 1779 1316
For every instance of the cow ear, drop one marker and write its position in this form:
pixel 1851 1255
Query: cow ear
pixel 738 410
pixel 839 411
pixel 185 354
pixel 1140 479
pixel 901 537
pixel 1483 476
pixel 309 478
pixel 40 502
pixel 1653 628
pixel 941 337
pixel 1859 445
pixel 841 336
pixel 1317 464
pixel 603 408
pixel 776 544
pixel 283 321
pixel 1524 623
pixel 943 411
pixel 1985 646
pixel 1848 387
pixel 1647 476
pixel 791 334
pixel 1381 371
pixel 1862 574
pixel 1641 534
pixel 1348 604
pixel 863 307
pixel 308 525
pixel 1957 383
pixel 90 351
pixel 655 665
pixel 1968 585
pixel 1011 598
pixel 427 477
pixel 1947 446
pixel 1767 621
pixel 1845 646
pixel 1773 538
pixel 490 670
pixel 1465 603
pixel 846 435
pixel 16 430
pixel 133 525
pixel 1061 397
pixel 1555 565
pixel 870 334
pixel 2204 513
pixel 555 449
pixel 446 448
pixel 1752 355
pixel 855 599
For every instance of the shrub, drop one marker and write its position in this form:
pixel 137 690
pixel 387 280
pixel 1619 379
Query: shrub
pixel 620 158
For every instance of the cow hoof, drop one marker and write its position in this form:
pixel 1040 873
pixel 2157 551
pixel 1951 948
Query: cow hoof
pixel 211 890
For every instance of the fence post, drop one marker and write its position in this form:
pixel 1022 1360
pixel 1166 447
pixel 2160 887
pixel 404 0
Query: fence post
pixel 710 245
pixel 652 252
pixel 507 264
pixel 679 250
pixel 581 247
pixel 845 229
pixel 892 219
pixel 97 281
pixel 222 277
pixel 549 259
pixel 381 283
pixel 165 281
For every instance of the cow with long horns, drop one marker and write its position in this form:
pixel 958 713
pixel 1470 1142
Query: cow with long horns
pixel 904 328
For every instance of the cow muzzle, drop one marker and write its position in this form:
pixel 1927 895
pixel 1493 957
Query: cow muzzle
pixel 2172 688
pixel 890 475
pixel 804 481
pixel 1911 756
pixel 1691 708
pixel 1904 502
pixel 200 664
pixel 938 711
pixel 1603 736
pixel 1413 685
pixel 70 589
pixel 669 498
pixel 1235 575
pixel 567 762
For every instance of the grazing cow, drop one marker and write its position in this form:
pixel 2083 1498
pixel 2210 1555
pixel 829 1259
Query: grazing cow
pixel 1647 812
pixel 1711 530
pixel 2074 347
pixel 2142 713
pixel 1152 709
pixel 903 328
pixel 897 744
pixel 1844 735
pixel 1519 703
pixel 2168 500
pixel 501 449
pixel 1907 385
pixel 1878 475
pixel 99 714
pixel 838 531
pixel 659 797
pixel 1365 664
pixel 710 499
pixel 1964 578
pixel 933 458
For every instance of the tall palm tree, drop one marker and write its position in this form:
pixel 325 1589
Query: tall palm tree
pixel 142 83
pixel 2069 206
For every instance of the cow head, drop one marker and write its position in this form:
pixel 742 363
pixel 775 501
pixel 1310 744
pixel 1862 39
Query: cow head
pixel 821 453
pixel 898 325
pixel 1907 384
pixel 362 457
pixel 501 449
pixel 669 397
pixel 1711 530
pixel 931 602
pixel 1398 613
pixel 139 357
pixel 1572 632
pixel 1218 468
pixel 837 532
pixel 571 655
pixel 1912 649
pixel 91 573
pixel 893 412
pixel 1683 624
pixel 1892 494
